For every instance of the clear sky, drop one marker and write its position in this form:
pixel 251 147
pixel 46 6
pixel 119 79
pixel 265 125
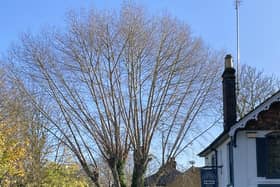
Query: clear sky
pixel 212 20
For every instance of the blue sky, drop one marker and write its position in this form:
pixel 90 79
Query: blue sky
pixel 212 20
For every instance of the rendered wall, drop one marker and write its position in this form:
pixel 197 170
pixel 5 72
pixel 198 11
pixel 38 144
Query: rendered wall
pixel 245 162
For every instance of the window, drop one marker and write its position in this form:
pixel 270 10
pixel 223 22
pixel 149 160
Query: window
pixel 273 155
pixel 268 156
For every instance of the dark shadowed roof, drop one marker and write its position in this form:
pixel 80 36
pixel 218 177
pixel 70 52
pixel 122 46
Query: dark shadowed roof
pixel 190 178
pixel 169 175
pixel 167 178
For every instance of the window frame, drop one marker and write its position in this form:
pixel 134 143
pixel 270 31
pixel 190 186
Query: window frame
pixel 268 137
pixel 263 156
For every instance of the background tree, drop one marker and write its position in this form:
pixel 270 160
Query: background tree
pixel 70 174
pixel 27 149
pixel 13 142
pixel 40 148
pixel 12 155
pixel 254 87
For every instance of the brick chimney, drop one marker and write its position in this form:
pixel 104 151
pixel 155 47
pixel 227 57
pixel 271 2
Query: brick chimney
pixel 229 94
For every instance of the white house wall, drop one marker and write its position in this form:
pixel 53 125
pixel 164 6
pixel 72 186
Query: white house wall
pixel 223 172
pixel 245 162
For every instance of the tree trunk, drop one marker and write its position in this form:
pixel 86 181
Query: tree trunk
pixel 117 169
pixel 95 181
pixel 97 184
pixel 92 174
pixel 116 177
pixel 138 174
pixel 121 173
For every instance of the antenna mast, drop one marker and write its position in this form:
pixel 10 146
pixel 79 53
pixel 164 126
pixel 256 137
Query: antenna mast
pixel 237 4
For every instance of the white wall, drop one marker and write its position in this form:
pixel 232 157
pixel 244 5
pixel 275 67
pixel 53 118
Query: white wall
pixel 245 162
pixel 223 173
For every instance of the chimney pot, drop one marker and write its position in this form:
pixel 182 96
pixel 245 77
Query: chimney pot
pixel 228 61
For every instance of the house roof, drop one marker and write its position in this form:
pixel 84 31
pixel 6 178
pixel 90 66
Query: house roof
pixel 241 123
pixel 218 141
pixel 190 178
pixel 255 113
pixel 165 175
pixel 164 179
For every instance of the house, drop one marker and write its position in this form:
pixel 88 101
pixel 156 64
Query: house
pixel 171 177
pixel 247 152
pixel 165 175
pixel 190 178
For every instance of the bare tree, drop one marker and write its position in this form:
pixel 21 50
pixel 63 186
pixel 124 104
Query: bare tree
pixel 118 81
pixel 171 76
pixel 255 86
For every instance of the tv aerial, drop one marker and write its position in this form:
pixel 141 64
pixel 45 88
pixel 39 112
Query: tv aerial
pixel 237 5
